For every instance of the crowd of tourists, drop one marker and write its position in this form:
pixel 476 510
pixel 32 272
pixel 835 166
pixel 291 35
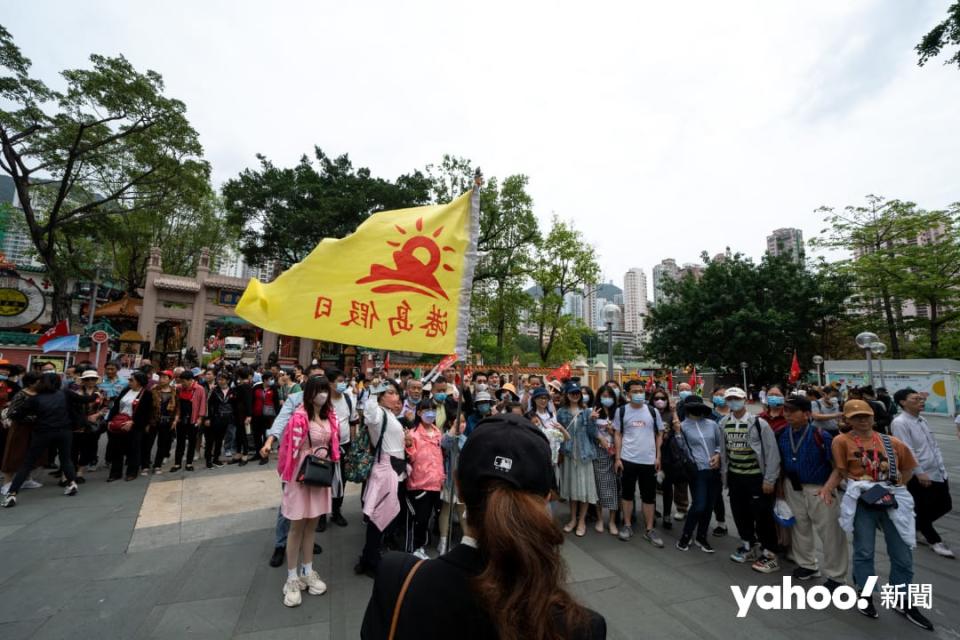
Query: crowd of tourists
pixel 814 463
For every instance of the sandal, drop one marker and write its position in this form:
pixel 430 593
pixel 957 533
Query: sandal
pixel 599 526
pixel 567 528
pixel 581 530
pixel 613 530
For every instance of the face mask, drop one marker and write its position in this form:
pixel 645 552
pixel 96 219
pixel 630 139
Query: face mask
pixel 659 404
pixel 440 397
pixel 480 386
pixel 428 417
pixel 588 400
pixel 341 387
pixel 483 408
pixel 3 377
pixel 607 401
pixel 638 398
pixel 719 401
pixel 494 385
pixel 616 392
pixel 736 405
pixel 271 383
pixel 683 394
pixel 774 401
pixel 319 400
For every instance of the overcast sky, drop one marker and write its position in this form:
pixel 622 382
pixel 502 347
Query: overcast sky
pixel 661 129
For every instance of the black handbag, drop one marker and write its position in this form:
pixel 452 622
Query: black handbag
pixel 878 498
pixel 315 471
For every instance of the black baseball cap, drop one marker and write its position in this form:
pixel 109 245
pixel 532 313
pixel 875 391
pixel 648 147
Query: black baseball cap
pixel 507 447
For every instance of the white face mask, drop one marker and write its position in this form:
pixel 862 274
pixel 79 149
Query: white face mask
pixel 319 400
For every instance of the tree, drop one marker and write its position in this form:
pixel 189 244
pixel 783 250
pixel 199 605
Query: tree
pixel 929 270
pixel 945 33
pixel 872 233
pixel 111 144
pixel 564 263
pixel 508 235
pixel 740 311
pixel 283 213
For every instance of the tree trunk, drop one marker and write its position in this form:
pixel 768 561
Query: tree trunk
pixel 934 328
pixel 60 308
pixel 891 322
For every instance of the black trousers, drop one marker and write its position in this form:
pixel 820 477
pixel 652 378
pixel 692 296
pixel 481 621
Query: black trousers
pixel 164 433
pixel 259 425
pixel 80 449
pixel 930 504
pixel 124 447
pixel 752 510
pixel 370 557
pixel 719 508
pixel 186 437
pixel 57 441
pixel 213 439
pixel 424 505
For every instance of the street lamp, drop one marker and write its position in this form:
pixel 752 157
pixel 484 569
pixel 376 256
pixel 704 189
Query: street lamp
pixel 878 348
pixel 818 360
pixel 864 341
pixel 743 367
pixel 610 314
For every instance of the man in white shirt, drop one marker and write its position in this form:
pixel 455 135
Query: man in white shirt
pixel 345 406
pixel 638 435
pixel 929 487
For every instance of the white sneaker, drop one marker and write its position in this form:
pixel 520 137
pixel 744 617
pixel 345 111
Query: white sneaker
pixel 71 489
pixel 5 489
pixel 30 483
pixel 91 467
pixel 314 585
pixel 679 515
pixel 942 550
pixel 291 593
pixel 421 553
pixel 442 546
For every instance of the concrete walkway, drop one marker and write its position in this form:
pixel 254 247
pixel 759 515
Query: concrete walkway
pixel 185 556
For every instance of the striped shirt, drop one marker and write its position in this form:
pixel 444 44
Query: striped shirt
pixel 741 459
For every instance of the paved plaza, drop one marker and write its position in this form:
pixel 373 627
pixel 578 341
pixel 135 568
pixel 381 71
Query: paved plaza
pixel 185 556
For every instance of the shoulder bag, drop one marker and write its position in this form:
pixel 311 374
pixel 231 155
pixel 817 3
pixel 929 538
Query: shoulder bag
pixel 315 471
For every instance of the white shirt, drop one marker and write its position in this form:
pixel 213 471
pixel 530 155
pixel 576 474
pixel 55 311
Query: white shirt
pixel 916 434
pixel 346 413
pixel 639 437
pixel 126 402
pixel 393 439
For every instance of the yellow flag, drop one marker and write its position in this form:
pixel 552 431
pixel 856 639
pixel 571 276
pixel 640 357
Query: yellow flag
pixel 401 281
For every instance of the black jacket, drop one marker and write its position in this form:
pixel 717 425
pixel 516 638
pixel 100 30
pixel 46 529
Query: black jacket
pixel 142 414
pixel 439 603
pixel 54 411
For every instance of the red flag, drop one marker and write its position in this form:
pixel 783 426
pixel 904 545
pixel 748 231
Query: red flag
pixel 794 369
pixel 62 328
pixel 670 381
pixel 650 385
pixel 561 373
pixel 386 363
pixel 693 378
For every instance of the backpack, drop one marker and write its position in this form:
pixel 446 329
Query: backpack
pixel 358 461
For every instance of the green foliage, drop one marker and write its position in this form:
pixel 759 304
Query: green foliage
pixel 110 144
pixel 283 213
pixel 899 254
pixel 740 311
pixel 564 263
pixel 944 34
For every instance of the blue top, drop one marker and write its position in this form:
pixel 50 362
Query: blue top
pixel 812 462
pixel 582 444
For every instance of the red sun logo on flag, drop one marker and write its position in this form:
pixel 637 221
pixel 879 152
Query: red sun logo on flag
pixel 410 273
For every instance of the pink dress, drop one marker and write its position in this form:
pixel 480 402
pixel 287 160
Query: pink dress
pixel 301 501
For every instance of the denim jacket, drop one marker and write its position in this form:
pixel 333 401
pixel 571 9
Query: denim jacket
pixel 582 444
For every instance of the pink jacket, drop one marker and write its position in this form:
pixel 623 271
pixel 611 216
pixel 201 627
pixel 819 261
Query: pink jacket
pixel 426 460
pixel 295 435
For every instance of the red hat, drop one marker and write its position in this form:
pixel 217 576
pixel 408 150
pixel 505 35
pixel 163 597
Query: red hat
pixel 167 373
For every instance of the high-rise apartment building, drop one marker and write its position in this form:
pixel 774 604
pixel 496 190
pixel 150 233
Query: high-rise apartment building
pixel 634 300
pixel 786 242
pixel 667 269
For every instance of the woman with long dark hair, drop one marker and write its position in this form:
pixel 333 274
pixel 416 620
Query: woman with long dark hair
pixel 506 579
pixel 608 485
pixel 311 430
pixel 578 486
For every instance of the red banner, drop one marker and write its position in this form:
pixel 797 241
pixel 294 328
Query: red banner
pixel 561 373
pixel 62 328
